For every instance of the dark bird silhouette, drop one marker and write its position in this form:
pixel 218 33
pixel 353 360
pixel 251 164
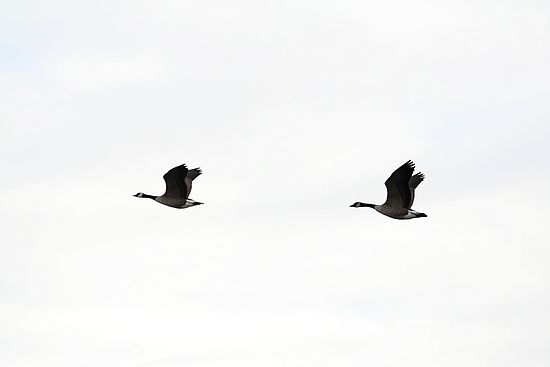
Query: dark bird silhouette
pixel 400 186
pixel 179 181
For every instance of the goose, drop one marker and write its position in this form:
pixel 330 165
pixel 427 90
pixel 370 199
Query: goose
pixel 400 186
pixel 178 186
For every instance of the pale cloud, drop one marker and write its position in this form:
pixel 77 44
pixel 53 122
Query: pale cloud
pixel 294 110
pixel 83 73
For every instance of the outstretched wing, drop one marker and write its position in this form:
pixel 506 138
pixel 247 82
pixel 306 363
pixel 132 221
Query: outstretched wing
pixel 397 185
pixel 191 175
pixel 175 182
pixel 413 184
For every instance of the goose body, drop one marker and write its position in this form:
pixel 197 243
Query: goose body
pixel 179 181
pixel 400 188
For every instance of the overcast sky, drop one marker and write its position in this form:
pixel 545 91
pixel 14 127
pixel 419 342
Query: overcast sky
pixel 294 110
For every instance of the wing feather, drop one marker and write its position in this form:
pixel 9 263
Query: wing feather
pixel 397 185
pixel 191 175
pixel 413 184
pixel 175 182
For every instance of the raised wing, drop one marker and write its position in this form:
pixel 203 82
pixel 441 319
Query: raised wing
pixel 191 175
pixel 397 185
pixel 413 184
pixel 175 182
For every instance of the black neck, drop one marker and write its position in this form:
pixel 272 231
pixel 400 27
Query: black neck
pixel 149 196
pixel 359 204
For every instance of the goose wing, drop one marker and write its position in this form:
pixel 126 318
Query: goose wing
pixel 175 182
pixel 413 184
pixel 191 175
pixel 397 185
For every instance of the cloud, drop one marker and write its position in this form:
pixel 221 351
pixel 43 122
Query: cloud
pixel 294 110
pixel 92 73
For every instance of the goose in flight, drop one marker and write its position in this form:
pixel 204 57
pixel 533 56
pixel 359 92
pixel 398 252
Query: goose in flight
pixel 400 186
pixel 178 186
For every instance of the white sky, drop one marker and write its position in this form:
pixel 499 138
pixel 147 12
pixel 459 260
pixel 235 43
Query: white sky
pixel 294 110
